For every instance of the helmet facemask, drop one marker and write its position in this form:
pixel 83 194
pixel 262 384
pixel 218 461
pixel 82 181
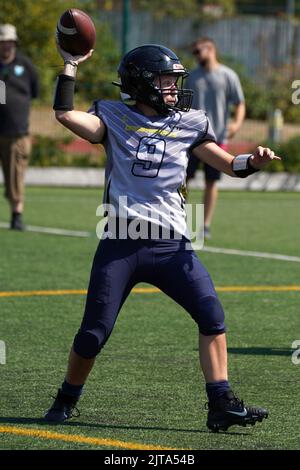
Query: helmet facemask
pixel 147 92
pixel 183 97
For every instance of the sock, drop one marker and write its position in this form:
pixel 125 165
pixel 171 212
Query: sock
pixel 215 390
pixel 73 390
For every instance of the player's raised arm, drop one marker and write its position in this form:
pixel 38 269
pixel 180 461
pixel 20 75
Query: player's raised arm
pixel 241 165
pixel 85 125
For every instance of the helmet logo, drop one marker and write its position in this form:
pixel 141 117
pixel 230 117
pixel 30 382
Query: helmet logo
pixel 178 67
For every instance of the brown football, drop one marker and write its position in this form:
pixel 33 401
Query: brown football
pixel 76 32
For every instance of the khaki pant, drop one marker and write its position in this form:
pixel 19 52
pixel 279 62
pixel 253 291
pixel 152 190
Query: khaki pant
pixel 14 156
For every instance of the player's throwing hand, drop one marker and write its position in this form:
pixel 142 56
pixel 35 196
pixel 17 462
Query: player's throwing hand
pixel 69 58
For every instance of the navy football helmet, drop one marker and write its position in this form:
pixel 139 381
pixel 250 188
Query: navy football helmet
pixel 138 70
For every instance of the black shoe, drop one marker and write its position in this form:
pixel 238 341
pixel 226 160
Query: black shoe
pixel 17 222
pixel 207 233
pixel 62 408
pixel 229 410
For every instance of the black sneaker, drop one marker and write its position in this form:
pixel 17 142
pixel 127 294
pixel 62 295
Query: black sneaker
pixel 207 233
pixel 17 222
pixel 62 408
pixel 230 410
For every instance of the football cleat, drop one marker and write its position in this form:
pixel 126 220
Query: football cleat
pixel 17 222
pixel 62 408
pixel 229 410
pixel 207 233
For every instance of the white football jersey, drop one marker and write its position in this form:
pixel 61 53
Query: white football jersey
pixel 147 159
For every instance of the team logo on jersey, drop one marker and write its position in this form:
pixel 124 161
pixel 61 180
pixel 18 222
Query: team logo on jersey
pixel 19 70
pixel 145 130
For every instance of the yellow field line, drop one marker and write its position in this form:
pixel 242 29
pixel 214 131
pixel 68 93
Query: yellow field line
pixel 150 290
pixel 96 441
pixel 31 293
pixel 258 288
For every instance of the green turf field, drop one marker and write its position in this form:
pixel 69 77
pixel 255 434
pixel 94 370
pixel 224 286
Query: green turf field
pixel 146 387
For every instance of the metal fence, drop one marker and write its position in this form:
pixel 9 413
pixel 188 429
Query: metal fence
pixel 253 41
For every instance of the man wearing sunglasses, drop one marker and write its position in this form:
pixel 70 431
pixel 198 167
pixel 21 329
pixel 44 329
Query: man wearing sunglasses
pixel 216 89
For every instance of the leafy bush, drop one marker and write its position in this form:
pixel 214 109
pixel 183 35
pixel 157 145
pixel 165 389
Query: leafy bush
pixel 47 152
pixel 268 93
pixel 36 23
pixel 289 151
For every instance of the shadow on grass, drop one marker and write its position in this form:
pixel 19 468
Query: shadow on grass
pixel 40 421
pixel 262 351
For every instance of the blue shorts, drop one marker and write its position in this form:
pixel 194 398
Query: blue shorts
pixel 210 173
pixel 121 264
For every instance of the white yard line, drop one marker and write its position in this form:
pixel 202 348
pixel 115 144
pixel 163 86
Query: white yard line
pixel 208 249
pixel 256 254
pixel 53 231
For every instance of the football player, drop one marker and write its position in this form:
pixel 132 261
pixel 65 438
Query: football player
pixel 148 137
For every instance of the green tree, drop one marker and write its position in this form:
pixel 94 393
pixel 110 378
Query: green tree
pixel 36 24
pixel 267 7
pixel 227 7
pixel 187 8
pixel 175 9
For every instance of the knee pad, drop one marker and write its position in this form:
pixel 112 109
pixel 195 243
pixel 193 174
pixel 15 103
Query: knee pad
pixel 210 316
pixel 89 342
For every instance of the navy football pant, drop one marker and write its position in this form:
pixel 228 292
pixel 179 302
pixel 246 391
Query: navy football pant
pixel 120 264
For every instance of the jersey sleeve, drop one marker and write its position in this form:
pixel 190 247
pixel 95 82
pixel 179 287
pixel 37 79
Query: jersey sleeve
pixel 205 131
pixel 210 134
pixel 102 109
pixel 96 110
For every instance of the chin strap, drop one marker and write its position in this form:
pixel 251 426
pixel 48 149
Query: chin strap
pixel 127 99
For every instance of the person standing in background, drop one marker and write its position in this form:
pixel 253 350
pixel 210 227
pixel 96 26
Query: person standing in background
pixel 21 85
pixel 216 88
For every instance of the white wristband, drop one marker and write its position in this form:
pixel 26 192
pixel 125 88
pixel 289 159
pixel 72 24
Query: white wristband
pixel 241 165
pixel 70 69
pixel 240 162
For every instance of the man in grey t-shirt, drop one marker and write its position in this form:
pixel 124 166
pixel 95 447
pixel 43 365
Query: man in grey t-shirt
pixel 216 88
